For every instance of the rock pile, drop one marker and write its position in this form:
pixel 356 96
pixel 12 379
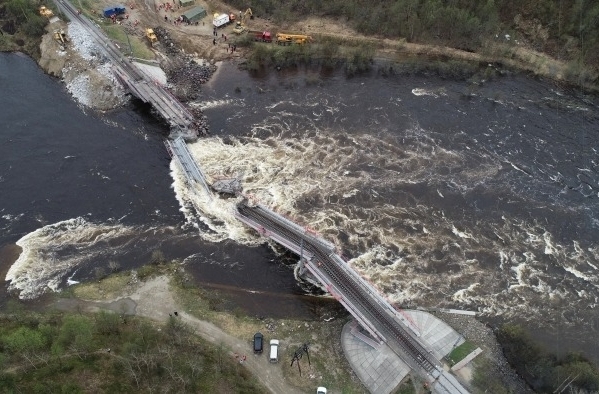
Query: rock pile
pixel 185 76
pixel 167 44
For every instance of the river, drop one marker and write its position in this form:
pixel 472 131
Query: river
pixel 480 196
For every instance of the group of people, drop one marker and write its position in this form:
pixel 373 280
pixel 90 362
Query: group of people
pixel 167 6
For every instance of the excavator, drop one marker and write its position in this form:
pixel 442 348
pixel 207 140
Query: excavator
pixel 151 36
pixel 288 39
pixel 240 25
pixel 44 11
pixel 61 37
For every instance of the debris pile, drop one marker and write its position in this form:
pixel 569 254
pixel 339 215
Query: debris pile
pixel 185 77
pixel 166 42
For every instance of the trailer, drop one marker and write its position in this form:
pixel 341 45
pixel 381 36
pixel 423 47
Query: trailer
pixel 221 20
pixel 114 10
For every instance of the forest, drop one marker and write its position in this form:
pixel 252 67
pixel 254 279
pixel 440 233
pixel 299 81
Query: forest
pixel 58 352
pixel 565 29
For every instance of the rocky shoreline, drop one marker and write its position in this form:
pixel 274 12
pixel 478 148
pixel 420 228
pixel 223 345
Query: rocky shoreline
pixel 484 337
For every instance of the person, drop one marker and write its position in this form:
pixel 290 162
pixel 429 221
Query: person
pixel 214 41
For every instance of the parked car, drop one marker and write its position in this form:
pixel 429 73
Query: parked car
pixel 258 343
pixel 321 390
pixel 274 351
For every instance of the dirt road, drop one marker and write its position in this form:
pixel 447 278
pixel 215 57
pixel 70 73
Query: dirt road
pixel 154 300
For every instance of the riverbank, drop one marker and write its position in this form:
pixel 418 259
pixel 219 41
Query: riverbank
pixel 156 292
pixel 501 53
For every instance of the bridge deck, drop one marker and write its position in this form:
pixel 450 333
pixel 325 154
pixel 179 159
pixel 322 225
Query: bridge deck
pixel 178 150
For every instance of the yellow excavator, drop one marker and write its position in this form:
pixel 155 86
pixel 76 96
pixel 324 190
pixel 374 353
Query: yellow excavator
pixel 288 39
pixel 151 36
pixel 240 25
pixel 44 11
pixel 61 38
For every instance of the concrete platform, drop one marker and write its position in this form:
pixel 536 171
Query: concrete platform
pixel 378 367
pixel 437 334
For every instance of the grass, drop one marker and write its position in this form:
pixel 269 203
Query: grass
pixel 460 352
pixel 129 44
pixel 407 387
pixel 328 365
pixel 110 287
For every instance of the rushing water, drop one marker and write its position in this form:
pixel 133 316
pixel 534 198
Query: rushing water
pixel 78 190
pixel 482 197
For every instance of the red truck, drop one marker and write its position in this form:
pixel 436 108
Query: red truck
pixel 263 36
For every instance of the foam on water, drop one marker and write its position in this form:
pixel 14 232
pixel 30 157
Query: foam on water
pixel 53 254
pixel 336 184
pixel 42 266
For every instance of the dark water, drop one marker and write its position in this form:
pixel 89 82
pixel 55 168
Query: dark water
pixel 81 189
pixel 481 196
pixel 442 193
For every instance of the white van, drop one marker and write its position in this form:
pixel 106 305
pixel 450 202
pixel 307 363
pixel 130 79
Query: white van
pixel 274 351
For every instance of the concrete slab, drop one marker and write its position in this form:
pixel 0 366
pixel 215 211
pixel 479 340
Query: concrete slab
pixel 437 334
pixel 379 368
pixel 155 73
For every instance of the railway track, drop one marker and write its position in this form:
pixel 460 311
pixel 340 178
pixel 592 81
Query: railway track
pixel 351 290
pixel 179 118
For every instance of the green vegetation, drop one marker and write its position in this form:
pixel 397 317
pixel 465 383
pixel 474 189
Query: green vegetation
pixel 325 51
pixel 485 380
pixel 566 30
pixel 74 353
pixel 545 372
pixel 460 352
pixel 21 26
pixel 129 44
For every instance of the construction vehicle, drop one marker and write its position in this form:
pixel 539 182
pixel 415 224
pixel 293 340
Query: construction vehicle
pixel 247 13
pixel 44 11
pixel 240 25
pixel 239 28
pixel 288 39
pixel 61 38
pixel 221 20
pixel 151 36
pixel 258 35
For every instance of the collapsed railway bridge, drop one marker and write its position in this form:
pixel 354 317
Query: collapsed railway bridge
pixel 371 310
pixel 386 326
